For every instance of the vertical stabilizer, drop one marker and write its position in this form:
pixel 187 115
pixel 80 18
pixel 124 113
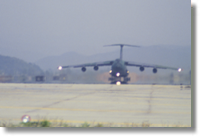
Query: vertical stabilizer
pixel 121 49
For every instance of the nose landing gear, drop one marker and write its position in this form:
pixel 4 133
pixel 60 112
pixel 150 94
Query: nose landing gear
pixel 119 80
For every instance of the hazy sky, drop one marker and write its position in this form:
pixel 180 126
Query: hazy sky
pixel 53 27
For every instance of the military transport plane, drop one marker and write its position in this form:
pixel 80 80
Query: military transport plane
pixel 119 72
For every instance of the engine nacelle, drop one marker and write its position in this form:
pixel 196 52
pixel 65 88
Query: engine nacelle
pixel 141 68
pixel 154 70
pixel 83 69
pixel 96 68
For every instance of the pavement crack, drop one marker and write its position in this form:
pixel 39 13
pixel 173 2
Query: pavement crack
pixel 149 102
pixel 68 99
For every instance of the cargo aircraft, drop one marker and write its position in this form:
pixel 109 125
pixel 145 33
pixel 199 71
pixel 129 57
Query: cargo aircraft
pixel 119 72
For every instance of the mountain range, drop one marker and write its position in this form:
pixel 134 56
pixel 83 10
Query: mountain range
pixel 16 67
pixel 172 56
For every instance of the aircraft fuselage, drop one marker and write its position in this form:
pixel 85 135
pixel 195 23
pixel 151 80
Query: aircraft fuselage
pixel 119 69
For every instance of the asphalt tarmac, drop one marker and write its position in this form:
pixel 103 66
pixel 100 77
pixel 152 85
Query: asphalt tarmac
pixel 158 105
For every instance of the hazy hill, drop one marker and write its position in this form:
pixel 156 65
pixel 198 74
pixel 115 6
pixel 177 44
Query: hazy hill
pixel 15 67
pixel 174 56
pixel 26 55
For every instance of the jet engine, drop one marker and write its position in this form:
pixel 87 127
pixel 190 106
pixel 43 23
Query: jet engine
pixel 83 69
pixel 141 68
pixel 154 70
pixel 96 68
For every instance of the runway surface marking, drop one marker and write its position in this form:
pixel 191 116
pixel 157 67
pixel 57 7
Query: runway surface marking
pixel 92 110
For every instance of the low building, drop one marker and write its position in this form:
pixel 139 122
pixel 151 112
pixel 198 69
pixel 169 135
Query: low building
pixel 5 79
pixel 40 78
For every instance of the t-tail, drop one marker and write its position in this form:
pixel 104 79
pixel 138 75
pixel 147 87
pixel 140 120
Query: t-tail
pixel 122 45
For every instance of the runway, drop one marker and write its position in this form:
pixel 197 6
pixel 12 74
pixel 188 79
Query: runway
pixel 159 105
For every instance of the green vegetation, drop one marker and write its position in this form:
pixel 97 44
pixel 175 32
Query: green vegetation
pixel 43 123
pixel 85 124
pixel 46 123
pixel 99 125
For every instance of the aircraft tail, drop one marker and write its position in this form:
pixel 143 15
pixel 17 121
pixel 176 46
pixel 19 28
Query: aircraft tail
pixel 122 45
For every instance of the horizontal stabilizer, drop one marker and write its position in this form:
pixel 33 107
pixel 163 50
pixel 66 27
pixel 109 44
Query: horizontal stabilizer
pixel 122 45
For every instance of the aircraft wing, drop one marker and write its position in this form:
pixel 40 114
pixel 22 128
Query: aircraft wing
pixel 104 63
pixel 150 65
